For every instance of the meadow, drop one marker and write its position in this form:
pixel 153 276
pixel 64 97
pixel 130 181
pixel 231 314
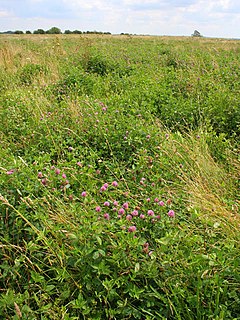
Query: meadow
pixel 119 177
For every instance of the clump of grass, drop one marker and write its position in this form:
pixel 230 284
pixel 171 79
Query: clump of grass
pixel 210 184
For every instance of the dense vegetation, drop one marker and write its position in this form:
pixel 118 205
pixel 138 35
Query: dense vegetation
pixel 119 178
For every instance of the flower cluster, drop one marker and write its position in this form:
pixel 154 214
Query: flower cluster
pixel 113 209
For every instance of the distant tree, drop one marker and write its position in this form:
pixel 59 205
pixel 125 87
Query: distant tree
pixel 39 31
pixel 77 32
pixel 18 32
pixel 196 34
pixel 68 32
pixel 54 30
pixel 28 32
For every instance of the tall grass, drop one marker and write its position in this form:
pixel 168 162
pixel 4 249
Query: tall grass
pixel 119 189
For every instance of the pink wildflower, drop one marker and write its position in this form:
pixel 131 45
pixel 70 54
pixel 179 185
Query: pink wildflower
pixel 106 216
pixel 10 171
pixel 161 203
pixel 64 176
pixel 44 181
pixel 84 194
pixel 79 164
pixel 98 209
pixel 103 189
pixel 106 204
pixel 142 216
pixel 40 175
pixel 115 203
pixel 114 184
pixel 125 205
pixel 148 199
pixel 57 171
pixel 129 217
pixel 156 200
pixel 135 213
pixel 132 229
pixel 150 212
pixel 171 213
pixel 121 211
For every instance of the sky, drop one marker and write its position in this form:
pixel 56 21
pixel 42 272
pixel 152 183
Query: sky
pixel 212 18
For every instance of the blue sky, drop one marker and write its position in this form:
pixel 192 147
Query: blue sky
pixel 213 18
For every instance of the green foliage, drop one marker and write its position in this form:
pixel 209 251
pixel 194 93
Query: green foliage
pixel 39 31
pixel 18 32
pixel 31 71
pixel 74 82
pixel 119 179
pixel 54 30
pixel 97 65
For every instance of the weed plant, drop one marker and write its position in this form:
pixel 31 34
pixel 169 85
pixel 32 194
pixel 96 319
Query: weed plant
pixel 119 178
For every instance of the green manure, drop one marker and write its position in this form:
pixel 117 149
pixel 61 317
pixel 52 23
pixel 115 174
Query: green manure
pixel 119 177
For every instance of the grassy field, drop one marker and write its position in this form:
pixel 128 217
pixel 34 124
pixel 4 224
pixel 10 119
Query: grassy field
pixel 119 178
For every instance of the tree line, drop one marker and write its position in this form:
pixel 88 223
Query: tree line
pixel 54 30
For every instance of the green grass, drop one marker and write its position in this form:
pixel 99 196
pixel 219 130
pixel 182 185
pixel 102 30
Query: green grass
pixel 157 120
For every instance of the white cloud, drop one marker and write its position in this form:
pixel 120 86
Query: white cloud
pixel 4 14
pixel 134 2
pixel 35 1
pixel 224 3
pixel 173 17
pixel 89 5
pixel 210 5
